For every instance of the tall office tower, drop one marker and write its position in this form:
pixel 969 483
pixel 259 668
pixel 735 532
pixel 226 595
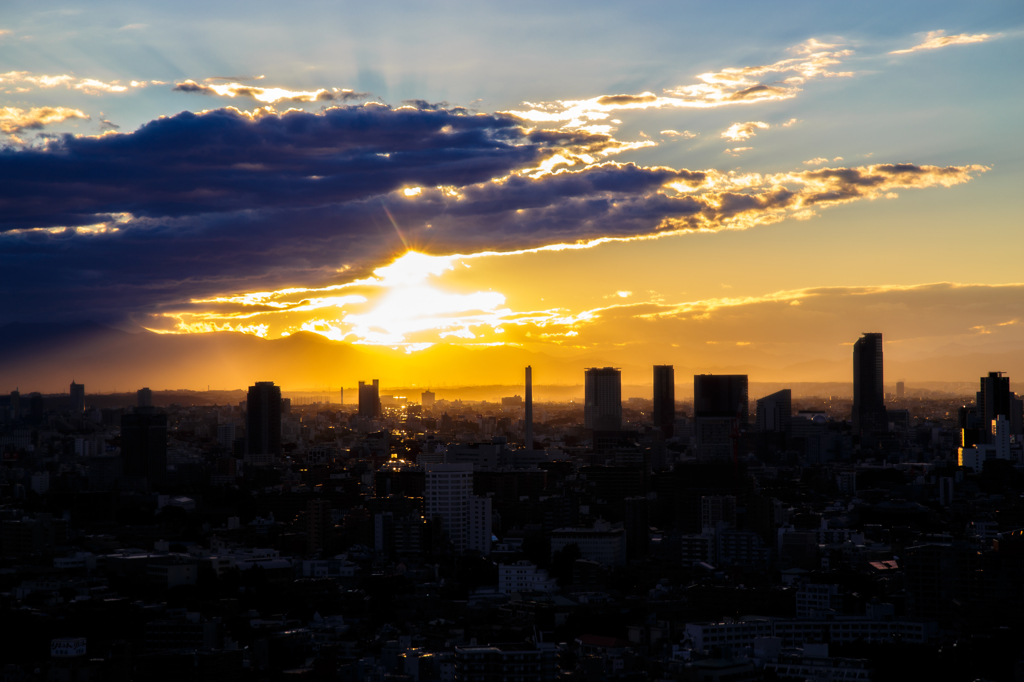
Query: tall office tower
pixel 528 414
pixel 775 411
pixel 868 393
pixel 427 399
pixel 993 400
pixel 901 390
pixel 721 395
pixel 144 397
pixel 318 525
pixel 602 406
pixel 144 445
pixel 720 409
pixel 226 435
pixel 479 524
pixel 665 399
pixel 263 423
pixel 15 405
pixel 77 397
pixel 449 487
pixel 341 395
pixel 369 399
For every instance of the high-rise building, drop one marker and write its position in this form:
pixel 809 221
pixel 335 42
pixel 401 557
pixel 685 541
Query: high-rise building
pixel 868 392
pixel 448 489
pixel 602 407
pixel 77 397
pixel 369 399
pixel 479 525
pixel 144 445
pixel 901 390
pixel 775 412
pixel 994 399
pixel 427 399
pixel 721 395
pixel 263 423
pixel 318 525
pixel 665 399
pixel 720 409
pixel 528 414
pixel 341 395
pixel 15 405
pixel 144 396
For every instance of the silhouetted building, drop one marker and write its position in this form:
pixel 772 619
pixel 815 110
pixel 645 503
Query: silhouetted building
pixel 369 399
pixel 318 525
pixel 602 407
pixel 263 423
pixel 144 397
pixel 720 408
pixel 341 395
pixel 775 412
pixel 901 390
pixel 427 398
pixel 144 445
pixel 528 414
pixel 993 399
pixel 448 494
pixel 665 399
pixel 868 393
pixel 721 395
pixel 77 397
pixel 15 405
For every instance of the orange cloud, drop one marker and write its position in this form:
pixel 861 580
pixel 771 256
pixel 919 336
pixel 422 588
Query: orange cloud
pixel 14 120
pixel 936 39
pixel 744 131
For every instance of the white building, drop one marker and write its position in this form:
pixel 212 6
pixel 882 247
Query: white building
pixel 448 489
pixel 524 576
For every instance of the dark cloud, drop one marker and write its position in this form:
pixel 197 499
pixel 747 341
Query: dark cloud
pixel 224 161
pixel 626 99
pixel 424 105
pixel 273 95
pixel 195 205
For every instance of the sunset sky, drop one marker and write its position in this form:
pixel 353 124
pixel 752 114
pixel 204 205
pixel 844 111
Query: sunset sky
pixel 707 184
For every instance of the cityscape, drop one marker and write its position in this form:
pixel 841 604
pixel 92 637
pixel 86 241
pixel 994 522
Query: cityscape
pixel 373 536
pixel 511 342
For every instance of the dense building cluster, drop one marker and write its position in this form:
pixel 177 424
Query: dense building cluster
pixel 250 536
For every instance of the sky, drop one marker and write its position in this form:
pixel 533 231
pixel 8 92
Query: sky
pixel 745 185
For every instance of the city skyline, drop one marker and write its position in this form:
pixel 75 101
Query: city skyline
pixel 747 199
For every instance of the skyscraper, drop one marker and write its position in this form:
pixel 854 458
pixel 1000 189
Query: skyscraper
pixel 341 395
pixel 868 393
pixel 775 412
pixel 144 397
pixel 263 423
pixel 144 445
pixel 721 395
pixel 602 406
pixel 369 399
pixel 449 487
pixel 528 413
pixel 427 399
pixel 665 398
pixel 993 399
pixel 720 408
pixel 77 397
